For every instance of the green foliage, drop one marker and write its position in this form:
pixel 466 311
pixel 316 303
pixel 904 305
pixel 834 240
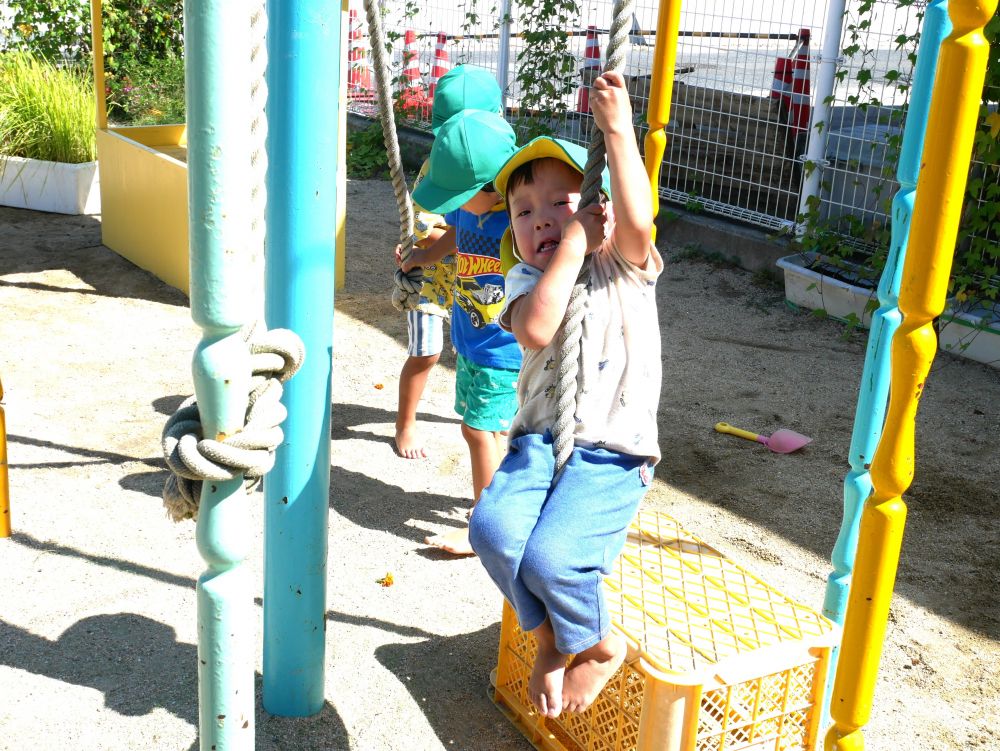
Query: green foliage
pixel 141 31
pixel 366 154
pixel 52 29
pixel 46 112
pixel 143 50
pixel 546 68
pixel 148 92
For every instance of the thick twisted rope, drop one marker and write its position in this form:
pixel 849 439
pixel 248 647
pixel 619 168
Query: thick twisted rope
pixel 408 284
pixel 564 428
pixel 258 123
pixel 274 358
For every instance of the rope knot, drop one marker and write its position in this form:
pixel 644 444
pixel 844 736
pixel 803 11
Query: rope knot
pixel 275 356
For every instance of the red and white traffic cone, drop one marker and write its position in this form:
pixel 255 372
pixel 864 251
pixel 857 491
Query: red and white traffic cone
pixel 781 86
pixel 800 106
pixel 413 98
pixel 441 62
pixel 591 61
pixel 359 73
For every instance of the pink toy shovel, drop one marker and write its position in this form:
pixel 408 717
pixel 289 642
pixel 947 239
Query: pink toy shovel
pixel 780 441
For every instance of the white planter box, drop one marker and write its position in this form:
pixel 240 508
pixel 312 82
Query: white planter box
pixel 973 333
pixel 808 288
pixel 49 186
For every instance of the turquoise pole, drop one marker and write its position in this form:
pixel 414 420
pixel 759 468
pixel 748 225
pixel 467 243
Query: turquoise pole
pixel 873 395
pixel 216 54
pixel 303 71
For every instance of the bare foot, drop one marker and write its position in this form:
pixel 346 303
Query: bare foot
pixel 455 542
pixel 408 443
pixel 546 682
pixel 590 671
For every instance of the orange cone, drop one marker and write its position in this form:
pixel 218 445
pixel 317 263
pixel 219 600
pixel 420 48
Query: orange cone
pixel 413 98
pixel 359 73
pixel 800 105
pixel 441 63
pixel 781 86
pixel 591 59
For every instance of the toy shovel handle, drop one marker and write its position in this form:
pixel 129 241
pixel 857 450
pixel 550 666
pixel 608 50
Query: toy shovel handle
pixel 725 427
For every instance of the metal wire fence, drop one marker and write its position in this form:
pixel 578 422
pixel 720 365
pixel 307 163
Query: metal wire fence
pixel 752 80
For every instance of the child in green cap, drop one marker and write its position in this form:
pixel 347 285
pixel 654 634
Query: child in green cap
pixel 549 540
pixel 463 87
pixel 467 152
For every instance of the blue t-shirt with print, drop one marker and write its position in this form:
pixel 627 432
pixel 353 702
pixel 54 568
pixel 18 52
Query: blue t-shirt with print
pixel 479 291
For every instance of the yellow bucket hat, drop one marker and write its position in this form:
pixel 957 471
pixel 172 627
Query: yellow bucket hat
pixel 539 148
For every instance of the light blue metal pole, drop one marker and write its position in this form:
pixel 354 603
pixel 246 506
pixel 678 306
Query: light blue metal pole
pixel 873 395
pixel 216 37
pixel 303 71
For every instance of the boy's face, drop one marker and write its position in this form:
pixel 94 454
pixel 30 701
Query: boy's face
pixel 483 201
pixel 540 209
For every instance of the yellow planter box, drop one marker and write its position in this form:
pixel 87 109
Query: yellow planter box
pixel 144 198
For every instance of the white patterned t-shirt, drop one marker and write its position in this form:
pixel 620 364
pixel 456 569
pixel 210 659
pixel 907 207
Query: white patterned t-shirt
pixel 619 380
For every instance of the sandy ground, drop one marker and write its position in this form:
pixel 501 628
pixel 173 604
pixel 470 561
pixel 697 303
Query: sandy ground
pixel 97 618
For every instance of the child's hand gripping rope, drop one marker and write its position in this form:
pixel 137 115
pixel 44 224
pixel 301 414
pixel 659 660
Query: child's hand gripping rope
pixel 409 278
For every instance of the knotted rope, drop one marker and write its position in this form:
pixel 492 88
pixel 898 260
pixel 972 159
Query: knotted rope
pixel 408 284
pixel 274 358
pixel 564 428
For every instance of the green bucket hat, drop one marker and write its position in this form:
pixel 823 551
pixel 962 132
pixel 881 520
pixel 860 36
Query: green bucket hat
pixel 539 148
pixel 467 152
pixel 465 87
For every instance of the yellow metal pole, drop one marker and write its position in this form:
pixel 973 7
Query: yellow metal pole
pixel 4 484
pixel 97 42
pixel 340 252
pixel 951 128
pixel 660 90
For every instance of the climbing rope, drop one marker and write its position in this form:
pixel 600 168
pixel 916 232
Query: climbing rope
pixel 275 357
pixel 569 338
pixel 258 137
pixel 408 284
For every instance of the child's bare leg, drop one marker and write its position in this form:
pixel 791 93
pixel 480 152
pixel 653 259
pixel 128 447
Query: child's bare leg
pixel 412 380
pixel 545 686
pixel 485 453
pixel 591 670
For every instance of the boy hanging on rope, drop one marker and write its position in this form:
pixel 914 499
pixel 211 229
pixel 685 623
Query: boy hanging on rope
pixel 467 152
pixel 463 87
pixel 547 541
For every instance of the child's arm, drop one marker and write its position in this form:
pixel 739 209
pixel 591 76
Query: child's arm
pixel 535 318
pixel 424 256
pixel 629 183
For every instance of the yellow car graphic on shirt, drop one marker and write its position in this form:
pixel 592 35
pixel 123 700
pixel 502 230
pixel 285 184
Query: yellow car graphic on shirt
pixel 482 303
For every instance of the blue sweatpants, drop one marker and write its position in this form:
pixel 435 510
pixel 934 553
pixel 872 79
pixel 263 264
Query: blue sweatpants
pixel 549 548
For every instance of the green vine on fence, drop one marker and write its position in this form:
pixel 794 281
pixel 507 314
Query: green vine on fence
pixel 863 243
pixel 546 67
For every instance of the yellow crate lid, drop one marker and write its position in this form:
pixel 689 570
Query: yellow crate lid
pixel 693 613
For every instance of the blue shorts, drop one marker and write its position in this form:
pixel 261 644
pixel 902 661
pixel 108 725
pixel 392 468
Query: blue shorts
pixel 486 398
pixel 548 547
pixel 426 333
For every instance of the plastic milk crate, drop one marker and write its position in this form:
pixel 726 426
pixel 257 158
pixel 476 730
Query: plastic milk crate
pixel 718 660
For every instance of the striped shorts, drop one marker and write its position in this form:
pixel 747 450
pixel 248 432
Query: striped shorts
pixel 426 334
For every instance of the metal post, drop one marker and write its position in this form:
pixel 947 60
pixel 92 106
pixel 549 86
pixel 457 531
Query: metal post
pixel 216 34
pixel 951 128
pixel 503 58
pixel 816 137
pixel 874 392
pixel 303 71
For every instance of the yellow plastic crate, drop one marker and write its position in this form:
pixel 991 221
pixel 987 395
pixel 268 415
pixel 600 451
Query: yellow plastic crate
pixel 718 659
